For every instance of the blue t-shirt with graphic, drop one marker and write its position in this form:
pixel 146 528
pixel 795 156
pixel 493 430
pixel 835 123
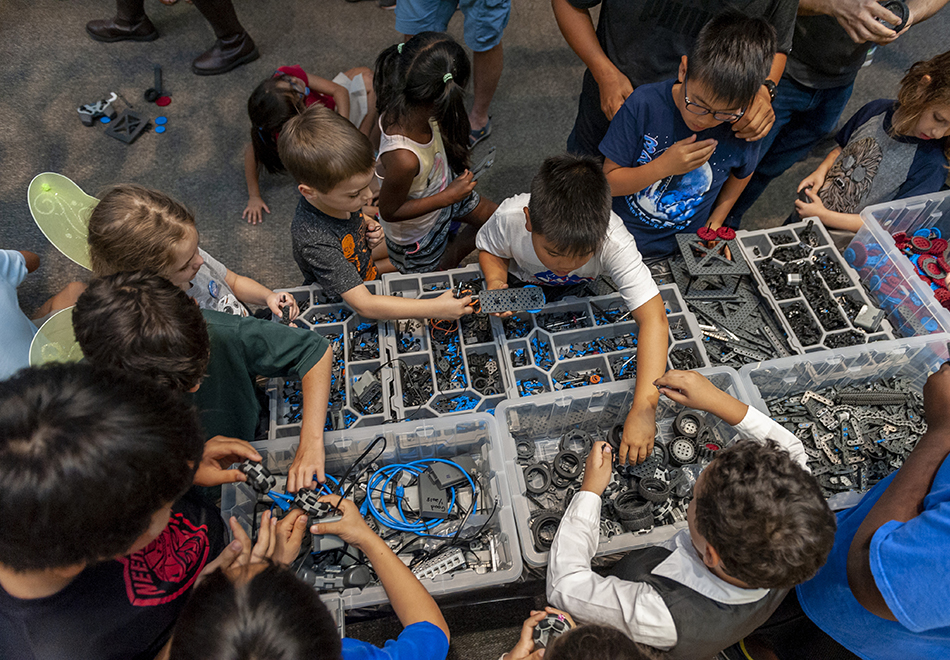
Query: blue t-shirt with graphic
pixel 418 641
pixel 648 124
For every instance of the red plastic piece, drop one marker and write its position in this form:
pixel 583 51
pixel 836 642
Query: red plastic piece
pixel 726 233
pixel 706 234
pixel 920 244
pixel 942 296
pixel 900 237
pixel 928 266
pixel 938 246
pixel 163 100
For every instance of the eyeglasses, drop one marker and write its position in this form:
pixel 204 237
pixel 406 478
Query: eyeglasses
pixel 696 109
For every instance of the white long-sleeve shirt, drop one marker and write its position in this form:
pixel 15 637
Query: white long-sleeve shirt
pixel 635 607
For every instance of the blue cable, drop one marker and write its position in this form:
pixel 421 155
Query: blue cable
pixel 285 500
pixel 386 474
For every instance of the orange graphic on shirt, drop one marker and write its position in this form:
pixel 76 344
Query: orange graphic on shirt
pixel 349 251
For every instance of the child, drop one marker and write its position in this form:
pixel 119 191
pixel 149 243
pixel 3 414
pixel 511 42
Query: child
pixel 136 228
pixel 424 144
pixel 141 323
pixel 887 150
pixel 758 525
pixel 587 642
pixel 333 241
pixel 101 544
pixel 562 234
pixel 262 610
pixel 672 159
pixel 285 95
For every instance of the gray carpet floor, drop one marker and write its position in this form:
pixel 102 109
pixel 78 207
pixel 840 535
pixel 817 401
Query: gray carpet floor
pixel 48 67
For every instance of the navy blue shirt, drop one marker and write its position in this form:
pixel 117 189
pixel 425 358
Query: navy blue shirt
pixel 928 169
pixel 648 124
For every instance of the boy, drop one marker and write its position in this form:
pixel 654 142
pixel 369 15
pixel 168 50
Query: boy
pixel 758 526
pixel 101 544
pixel 564 234
pixel 144 324
pixel 672 159
pixel 259 608
pixel 333 241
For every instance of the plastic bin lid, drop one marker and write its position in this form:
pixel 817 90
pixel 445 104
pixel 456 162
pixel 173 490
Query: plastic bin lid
pixel 55 341
pixel 61 210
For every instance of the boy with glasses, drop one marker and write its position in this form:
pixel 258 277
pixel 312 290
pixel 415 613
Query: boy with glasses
pixel 672 159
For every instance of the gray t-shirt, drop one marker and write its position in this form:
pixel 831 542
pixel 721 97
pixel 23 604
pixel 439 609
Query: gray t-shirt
pixel 210 288
pixel 823 55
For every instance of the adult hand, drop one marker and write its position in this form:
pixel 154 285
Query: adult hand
pixel 277 301
pixel 638 432
pixel 351 528
pixel 461 187
pixel 253 211
pixel 758 118
pixel 220 452
pixel 614 90
pixel 598 468
pixel 307 469
pixel 859 18
pixel 687 154
pixel 447 306
pixel 937 399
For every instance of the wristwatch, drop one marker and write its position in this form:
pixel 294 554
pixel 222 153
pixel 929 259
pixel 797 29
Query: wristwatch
pixel 769 85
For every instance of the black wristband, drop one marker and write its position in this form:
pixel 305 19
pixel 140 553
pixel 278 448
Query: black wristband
pixel 770 86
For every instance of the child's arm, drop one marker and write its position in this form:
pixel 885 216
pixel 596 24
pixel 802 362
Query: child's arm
pixel 251 292
pixel 409 599
pixel 574 587
pixel 816 179
pixel 329 88
pixel 652 344
pixel 255 203
pixel 832 219
pixel 309 460
pixel 682 157
pixel 727 197
pixel 371 306
pixel 401 167
pixel 693 390
pixel 495 270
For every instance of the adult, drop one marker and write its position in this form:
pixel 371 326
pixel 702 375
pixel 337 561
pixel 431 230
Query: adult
pixel 233 47
pixel 832 40
pixel 642 41
pixel 485 22
pixel 885 590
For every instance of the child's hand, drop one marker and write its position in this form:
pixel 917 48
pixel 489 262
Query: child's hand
pixel 219 453
pixel 489 286
pixel 460 188
pixel 307 468
pixel 814 208
pixel 288 536
pixel 253 210
pixel 690 389
pixel 277 301
pixel 374 233
pixel 815 181
pixel 598 469
pixel 447 306
pixel 524 649
pixel 639 430
pixel 686 155
pixel 352 528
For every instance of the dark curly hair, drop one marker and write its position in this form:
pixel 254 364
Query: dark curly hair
pixel 765 516
pixel 143 324
pixel 597 642
pixel 87 458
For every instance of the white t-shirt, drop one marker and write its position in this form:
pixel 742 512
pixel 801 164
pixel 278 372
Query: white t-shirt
pixel 210 288
pixel 505 236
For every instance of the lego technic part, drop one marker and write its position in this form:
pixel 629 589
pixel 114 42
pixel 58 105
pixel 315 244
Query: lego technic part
pixel 633 513
pixel 899 9
pixel 258 477
pixel 537 478
pixel 568 465
pixel 337 578
pixel 484 165
pixel 529 298
pixel 548 629
pixel 543 528
pixel 153 93
pixel 654 490
pixel 127 127
pixel 444 563
pixel 682 451
pixel 91 112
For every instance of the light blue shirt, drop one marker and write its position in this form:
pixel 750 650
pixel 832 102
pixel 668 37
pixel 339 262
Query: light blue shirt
pixel 16 330
pixel 419 641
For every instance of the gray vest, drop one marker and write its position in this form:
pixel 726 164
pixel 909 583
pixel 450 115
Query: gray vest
pixel 703 626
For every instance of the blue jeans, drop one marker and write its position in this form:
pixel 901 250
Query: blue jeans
pixel 803 116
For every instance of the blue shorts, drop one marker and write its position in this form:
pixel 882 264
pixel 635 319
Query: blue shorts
pixel 485 20
pixel 425 256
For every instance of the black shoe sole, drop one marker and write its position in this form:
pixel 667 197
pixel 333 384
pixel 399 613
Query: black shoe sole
pixel 250 57
pixel 152 36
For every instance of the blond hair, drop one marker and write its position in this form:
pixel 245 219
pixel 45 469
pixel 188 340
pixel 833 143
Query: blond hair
pixel 321 149
pixel 136 228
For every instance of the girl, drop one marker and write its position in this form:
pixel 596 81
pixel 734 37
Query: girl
pixel 424 142
pixel 285 95
pixel 888 150
pixel 136 228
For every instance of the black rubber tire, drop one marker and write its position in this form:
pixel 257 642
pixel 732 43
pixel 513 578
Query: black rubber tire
pixel 654 490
